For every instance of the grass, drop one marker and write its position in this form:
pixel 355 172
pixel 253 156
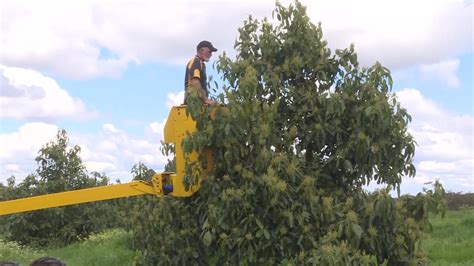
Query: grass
pixel 107 248
pixel 10 251
pixel 450 243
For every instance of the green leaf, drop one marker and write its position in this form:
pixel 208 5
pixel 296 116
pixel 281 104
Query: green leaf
pixel 207 239
pixel 267 235
pixel 348 166
pixel 357 230
pixel 260 225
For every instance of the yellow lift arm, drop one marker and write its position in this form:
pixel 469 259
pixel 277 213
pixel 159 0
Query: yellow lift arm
pixel 178 124
pixel 75 197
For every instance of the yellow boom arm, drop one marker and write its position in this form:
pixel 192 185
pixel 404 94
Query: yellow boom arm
pixel 75 197
pixel 177 126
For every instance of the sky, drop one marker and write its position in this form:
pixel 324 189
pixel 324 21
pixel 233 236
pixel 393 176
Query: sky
pixel 108 73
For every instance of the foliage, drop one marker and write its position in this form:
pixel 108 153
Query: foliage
pixel 148 213
pixel 457 201
pixel 59 169
pixel 447 244
pixel 141 172
pixel 301 132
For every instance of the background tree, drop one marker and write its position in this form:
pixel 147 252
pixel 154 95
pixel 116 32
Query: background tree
pixel 60 168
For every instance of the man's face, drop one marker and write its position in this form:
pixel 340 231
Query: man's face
pixel 206 53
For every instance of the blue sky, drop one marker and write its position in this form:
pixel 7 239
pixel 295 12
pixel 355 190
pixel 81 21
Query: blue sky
pixel 108 73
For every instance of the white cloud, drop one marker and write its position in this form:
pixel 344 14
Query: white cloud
pixel 101 167
pixel 26 94
pixel 20 148
pixel 110 150
pixel 88 39
pixel 397 33
pixel 29 138
pixel 175 99
pixel 60 40
pixel 462 167
pixel 445 142
pixel 155 127
pixel 444 72
pixel 14 168
pixel 109 128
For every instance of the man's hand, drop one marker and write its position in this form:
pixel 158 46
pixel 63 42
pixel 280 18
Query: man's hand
pixel 210 102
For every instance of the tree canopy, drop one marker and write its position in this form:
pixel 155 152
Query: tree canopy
pixel 60 168
pixel 299 132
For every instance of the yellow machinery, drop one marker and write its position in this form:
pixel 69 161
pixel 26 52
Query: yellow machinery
pixel 179 124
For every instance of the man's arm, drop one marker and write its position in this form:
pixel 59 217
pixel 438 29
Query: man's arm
pixel 196 84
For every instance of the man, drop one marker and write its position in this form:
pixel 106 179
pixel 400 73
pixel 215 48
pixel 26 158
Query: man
pixel 196 78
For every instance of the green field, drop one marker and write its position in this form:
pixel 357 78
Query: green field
pixel 108 248
pixel 450 243
pixel 452 239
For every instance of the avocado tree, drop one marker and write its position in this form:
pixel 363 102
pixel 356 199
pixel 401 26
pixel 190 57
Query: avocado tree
pixel 302 131
pixel 60 168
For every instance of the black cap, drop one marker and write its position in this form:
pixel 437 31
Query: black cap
pixel 206 44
